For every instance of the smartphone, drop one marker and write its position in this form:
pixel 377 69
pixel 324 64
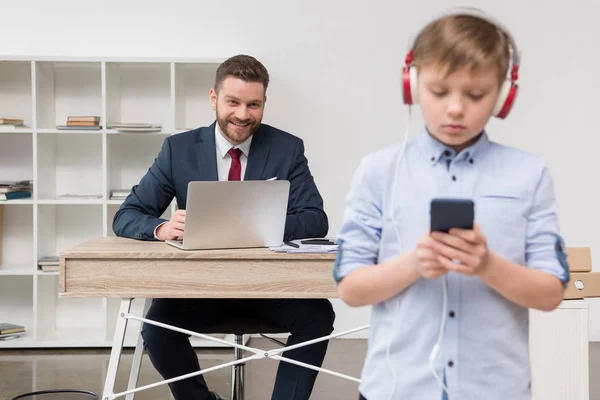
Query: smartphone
pixel 447 213
pixel 317 241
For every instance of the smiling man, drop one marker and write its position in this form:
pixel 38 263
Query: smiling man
pixel 235 147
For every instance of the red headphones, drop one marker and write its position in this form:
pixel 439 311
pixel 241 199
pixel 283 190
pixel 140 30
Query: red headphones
pixel 508 91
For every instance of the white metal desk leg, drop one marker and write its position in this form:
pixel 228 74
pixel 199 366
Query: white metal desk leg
pixel 115 354
pixel 137 356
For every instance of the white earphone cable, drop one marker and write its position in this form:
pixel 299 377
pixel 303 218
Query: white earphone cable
pixel 395 224
pixel 437 346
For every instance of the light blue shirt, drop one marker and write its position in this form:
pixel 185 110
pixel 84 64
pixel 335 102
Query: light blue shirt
pixel 485 351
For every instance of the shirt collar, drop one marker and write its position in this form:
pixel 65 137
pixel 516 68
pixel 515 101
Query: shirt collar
pixel 223 145
pixel 436 151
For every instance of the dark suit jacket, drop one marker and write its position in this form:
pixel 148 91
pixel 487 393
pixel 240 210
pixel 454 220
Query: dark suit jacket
pixel 191 156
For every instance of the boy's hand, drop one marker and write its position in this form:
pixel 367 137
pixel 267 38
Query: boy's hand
pixel 463 251
pixel 428 263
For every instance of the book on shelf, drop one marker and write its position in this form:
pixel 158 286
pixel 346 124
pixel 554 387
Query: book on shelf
pixel 134 127
pixel 11 121
pixel 75 118
pixel 119 194
pixel 8 328
pixel 49 263
pixel 16 186
pixel 15 195
pixel 78 128
pixel 4 338
pixel 69 196
pixel 85 122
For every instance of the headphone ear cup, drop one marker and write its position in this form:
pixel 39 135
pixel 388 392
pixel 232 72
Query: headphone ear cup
pixel 409 85
pixel 506 99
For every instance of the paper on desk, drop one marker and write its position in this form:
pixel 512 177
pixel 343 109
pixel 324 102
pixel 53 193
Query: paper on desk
pixel 305 248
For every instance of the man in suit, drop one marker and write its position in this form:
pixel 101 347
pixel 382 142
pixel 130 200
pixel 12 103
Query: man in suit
pixel 237 146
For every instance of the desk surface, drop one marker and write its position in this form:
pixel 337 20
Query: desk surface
pixel 124 268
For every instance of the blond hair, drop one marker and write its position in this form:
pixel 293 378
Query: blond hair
pixel 458 41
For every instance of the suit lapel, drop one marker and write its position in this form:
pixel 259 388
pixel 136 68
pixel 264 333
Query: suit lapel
pixel 259 152
pixel 206 154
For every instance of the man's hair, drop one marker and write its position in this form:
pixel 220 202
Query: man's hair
pixel 459 41
pixel 246 68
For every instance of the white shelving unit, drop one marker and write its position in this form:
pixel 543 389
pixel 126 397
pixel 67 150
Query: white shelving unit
pixel 44 91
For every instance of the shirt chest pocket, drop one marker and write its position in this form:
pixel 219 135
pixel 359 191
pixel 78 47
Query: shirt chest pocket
pixel 503 220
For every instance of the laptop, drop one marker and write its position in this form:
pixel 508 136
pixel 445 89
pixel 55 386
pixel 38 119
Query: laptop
pixel 234 214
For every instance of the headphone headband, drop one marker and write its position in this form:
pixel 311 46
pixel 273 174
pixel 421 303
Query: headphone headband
pixel 508 91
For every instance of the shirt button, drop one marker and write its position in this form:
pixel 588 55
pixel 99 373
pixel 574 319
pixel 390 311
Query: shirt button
pixel 453 178
pixel 471 161
pixel 432 158
pixel 447 153
pixel 450 363
pixel 451 314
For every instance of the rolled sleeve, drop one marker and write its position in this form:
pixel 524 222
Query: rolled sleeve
pixel 360 235
pixel 545 248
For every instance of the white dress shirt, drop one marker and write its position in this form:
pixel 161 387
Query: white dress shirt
pixel 224 159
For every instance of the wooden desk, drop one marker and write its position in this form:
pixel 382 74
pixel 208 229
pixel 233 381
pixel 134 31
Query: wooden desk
pixel 127 268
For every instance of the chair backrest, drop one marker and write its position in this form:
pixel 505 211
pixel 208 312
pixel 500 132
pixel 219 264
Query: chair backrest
pixel 59 394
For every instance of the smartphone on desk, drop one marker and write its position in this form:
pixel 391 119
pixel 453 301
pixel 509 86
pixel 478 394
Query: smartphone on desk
pixel 448 213
pixel 318 241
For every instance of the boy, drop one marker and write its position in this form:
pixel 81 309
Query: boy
pixel 512 259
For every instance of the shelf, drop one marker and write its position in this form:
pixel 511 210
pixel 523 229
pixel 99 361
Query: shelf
pixel 16 302
pixel 29 58
pixel 67 89
pixel 70 202
pixel 44 92
pixel 63 226
pixel 139 134
pixel 17 269
pixel 17 240
pixel 67 320
pixel 139 93
pixel 129 158
pixel 192 105
pixel 16 202
pixel 16 157
pixel 68 132
pixel 15 92
pixel 16 131
pixel 69 164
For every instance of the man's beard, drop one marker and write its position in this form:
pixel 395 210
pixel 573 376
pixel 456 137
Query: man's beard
pixel 232 137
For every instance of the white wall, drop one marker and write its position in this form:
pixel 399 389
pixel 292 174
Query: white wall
pixel 335 68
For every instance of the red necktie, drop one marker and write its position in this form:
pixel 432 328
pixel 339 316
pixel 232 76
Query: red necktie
pixel 235 171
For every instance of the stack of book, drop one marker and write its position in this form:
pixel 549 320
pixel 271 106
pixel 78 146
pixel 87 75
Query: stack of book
pixel 49 263
pixel 81 122
pixel 134 127
pixel 119 194
pixel 11 190
pixel 10 331
pixel 11 123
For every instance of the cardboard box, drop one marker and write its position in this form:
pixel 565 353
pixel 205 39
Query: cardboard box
pixel 583 284
pixel 579 259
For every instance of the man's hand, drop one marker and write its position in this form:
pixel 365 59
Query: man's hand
pixel 428 263
pixel 463 251
pixel 174 228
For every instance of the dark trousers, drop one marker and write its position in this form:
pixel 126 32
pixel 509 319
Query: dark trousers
pixel 172 354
